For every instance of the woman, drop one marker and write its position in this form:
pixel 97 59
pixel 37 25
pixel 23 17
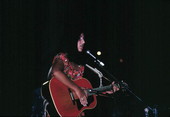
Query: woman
pixel 65 70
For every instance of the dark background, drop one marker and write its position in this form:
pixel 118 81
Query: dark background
pixel 135 31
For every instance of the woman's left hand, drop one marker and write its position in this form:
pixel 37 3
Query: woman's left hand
pixel 115 88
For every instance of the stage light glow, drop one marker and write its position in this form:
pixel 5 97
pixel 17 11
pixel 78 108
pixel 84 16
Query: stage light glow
pixel 99 53
pixel 121 60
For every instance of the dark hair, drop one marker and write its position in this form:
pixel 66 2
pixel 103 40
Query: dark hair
pixel 69 45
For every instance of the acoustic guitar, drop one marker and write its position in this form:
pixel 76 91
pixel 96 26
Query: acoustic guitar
pixel 66 102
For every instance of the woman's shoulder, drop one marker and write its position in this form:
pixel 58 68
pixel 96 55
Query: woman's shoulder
pixel 62 56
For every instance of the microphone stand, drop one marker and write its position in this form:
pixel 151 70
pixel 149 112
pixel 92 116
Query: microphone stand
pixel 100 77
pixel 95 70
pixel 146 110
pixel 98 73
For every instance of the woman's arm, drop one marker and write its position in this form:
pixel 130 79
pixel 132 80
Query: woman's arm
pixel 57 72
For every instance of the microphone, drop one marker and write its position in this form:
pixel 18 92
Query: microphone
pixel 89 53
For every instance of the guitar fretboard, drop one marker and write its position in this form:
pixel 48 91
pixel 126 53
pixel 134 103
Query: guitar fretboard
pixel 99 90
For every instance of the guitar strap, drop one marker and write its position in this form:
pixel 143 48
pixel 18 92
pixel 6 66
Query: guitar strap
pixel 49 73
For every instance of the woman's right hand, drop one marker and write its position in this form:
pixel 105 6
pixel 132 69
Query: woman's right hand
pixel 82 95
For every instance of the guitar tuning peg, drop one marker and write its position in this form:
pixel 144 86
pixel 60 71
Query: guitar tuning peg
pixel 124 85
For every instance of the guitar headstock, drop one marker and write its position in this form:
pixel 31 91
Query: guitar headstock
pixel 121 85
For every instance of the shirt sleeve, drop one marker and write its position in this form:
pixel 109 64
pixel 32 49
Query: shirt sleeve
pixel 58 63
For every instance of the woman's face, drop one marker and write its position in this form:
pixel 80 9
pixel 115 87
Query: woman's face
pixel 80 43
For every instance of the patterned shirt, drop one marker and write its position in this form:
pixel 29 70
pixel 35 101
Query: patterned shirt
pixel 72 70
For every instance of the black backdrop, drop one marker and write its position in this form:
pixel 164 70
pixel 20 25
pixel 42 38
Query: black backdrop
pixel 135 31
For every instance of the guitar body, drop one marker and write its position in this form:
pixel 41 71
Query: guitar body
pixel 65 101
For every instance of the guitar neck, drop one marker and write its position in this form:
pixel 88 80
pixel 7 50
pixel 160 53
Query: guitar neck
pixel 99 90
